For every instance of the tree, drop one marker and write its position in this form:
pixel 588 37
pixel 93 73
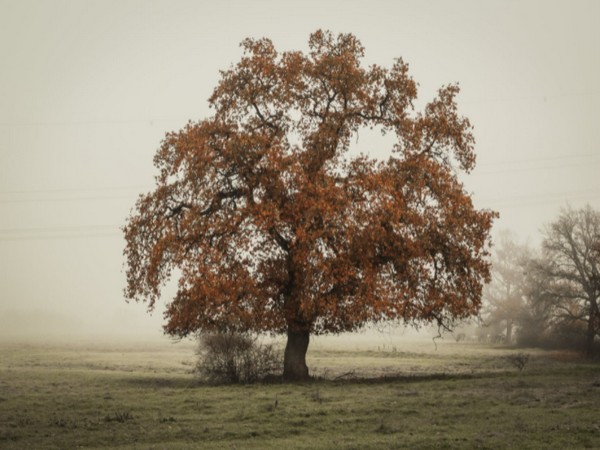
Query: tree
pixel 570 262
pixel 270 226
pixel 504 296
pixel 536 318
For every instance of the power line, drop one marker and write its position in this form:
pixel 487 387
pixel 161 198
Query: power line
pixel 542 159
pixel 543 98
pixel 151 120
pixel 99 231
pixel 65 199
pixel 60 229
pixel 64 123
pixel 65 232
pixel 59 236
pixel 532 168
pixel 49 195
pixel 147 188
pixel 550 194
pixel 538 199
pixel 64 190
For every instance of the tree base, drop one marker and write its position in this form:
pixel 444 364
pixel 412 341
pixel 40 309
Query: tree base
pixel 294 361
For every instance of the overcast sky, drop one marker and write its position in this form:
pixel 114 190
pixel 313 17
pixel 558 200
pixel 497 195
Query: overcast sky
pixel 88 89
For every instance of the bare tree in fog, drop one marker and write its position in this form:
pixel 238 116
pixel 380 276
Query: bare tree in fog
pixel 570 262
pixel 504 296
pixel 536 318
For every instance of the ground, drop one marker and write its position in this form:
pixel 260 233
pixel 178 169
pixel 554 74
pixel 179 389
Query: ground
pixel 458 395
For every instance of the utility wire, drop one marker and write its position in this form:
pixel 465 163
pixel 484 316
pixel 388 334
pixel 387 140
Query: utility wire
pixel 62 123
pixel 60 229
pixel 530 169
pixel 541 159
pixel 99 231
pixel 151 120
pixel 537 199
pixel 68 190
pixel 59 236
pixel 145 188
pixel 49 195
pixel 64 232
pixel 65 199
pixel 540 98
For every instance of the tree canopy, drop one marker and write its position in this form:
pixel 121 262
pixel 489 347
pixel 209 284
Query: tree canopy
pixel 270 225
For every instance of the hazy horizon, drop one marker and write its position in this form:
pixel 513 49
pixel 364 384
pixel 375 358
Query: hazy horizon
pixel 88 90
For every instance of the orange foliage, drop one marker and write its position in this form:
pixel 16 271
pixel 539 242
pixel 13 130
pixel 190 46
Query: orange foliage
pixel 270 226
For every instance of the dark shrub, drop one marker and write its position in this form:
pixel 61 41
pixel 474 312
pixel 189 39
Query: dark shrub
pixel 519 360
pixel 236 358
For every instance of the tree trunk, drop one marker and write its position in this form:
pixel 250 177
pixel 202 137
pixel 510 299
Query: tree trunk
pixel 294 360
pixel 592 329
pixel 590 335
pixel 509 328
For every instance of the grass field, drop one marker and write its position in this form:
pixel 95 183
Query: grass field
pixel 145 397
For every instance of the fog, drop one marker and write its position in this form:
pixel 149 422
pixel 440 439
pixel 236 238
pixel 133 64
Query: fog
pixel 88 90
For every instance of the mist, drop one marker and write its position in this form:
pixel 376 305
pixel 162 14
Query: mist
pixel 88 90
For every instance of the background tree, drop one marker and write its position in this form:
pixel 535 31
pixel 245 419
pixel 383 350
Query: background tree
pixel 536 318
pixel 570 263
pixel 504 296
pixel 269 224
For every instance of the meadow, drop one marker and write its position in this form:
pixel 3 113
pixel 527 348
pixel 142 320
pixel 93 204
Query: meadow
pixel 145 396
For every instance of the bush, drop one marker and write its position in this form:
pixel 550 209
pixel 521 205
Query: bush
pixel 519 360
pixel 560 335
pixel 236 358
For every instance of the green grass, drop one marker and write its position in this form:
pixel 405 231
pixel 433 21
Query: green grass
pixel 460 396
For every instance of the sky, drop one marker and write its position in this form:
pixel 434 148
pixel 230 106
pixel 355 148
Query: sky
pixel 89 88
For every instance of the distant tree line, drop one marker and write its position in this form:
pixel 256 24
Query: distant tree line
pixel 547 296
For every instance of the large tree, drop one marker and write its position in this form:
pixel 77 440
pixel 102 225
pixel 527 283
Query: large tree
pixel 271 226
pixel 571 264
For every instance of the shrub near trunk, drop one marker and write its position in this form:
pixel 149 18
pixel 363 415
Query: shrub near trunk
pixel 235 358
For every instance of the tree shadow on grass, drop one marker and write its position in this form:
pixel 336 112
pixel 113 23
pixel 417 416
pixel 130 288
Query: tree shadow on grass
pixel 162 382
pixel 178 382
pixel 413 378
pixel 350 379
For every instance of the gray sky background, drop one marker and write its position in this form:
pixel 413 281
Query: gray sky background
pixel 88 89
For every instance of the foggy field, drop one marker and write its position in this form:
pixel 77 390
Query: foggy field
pixel 366 396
